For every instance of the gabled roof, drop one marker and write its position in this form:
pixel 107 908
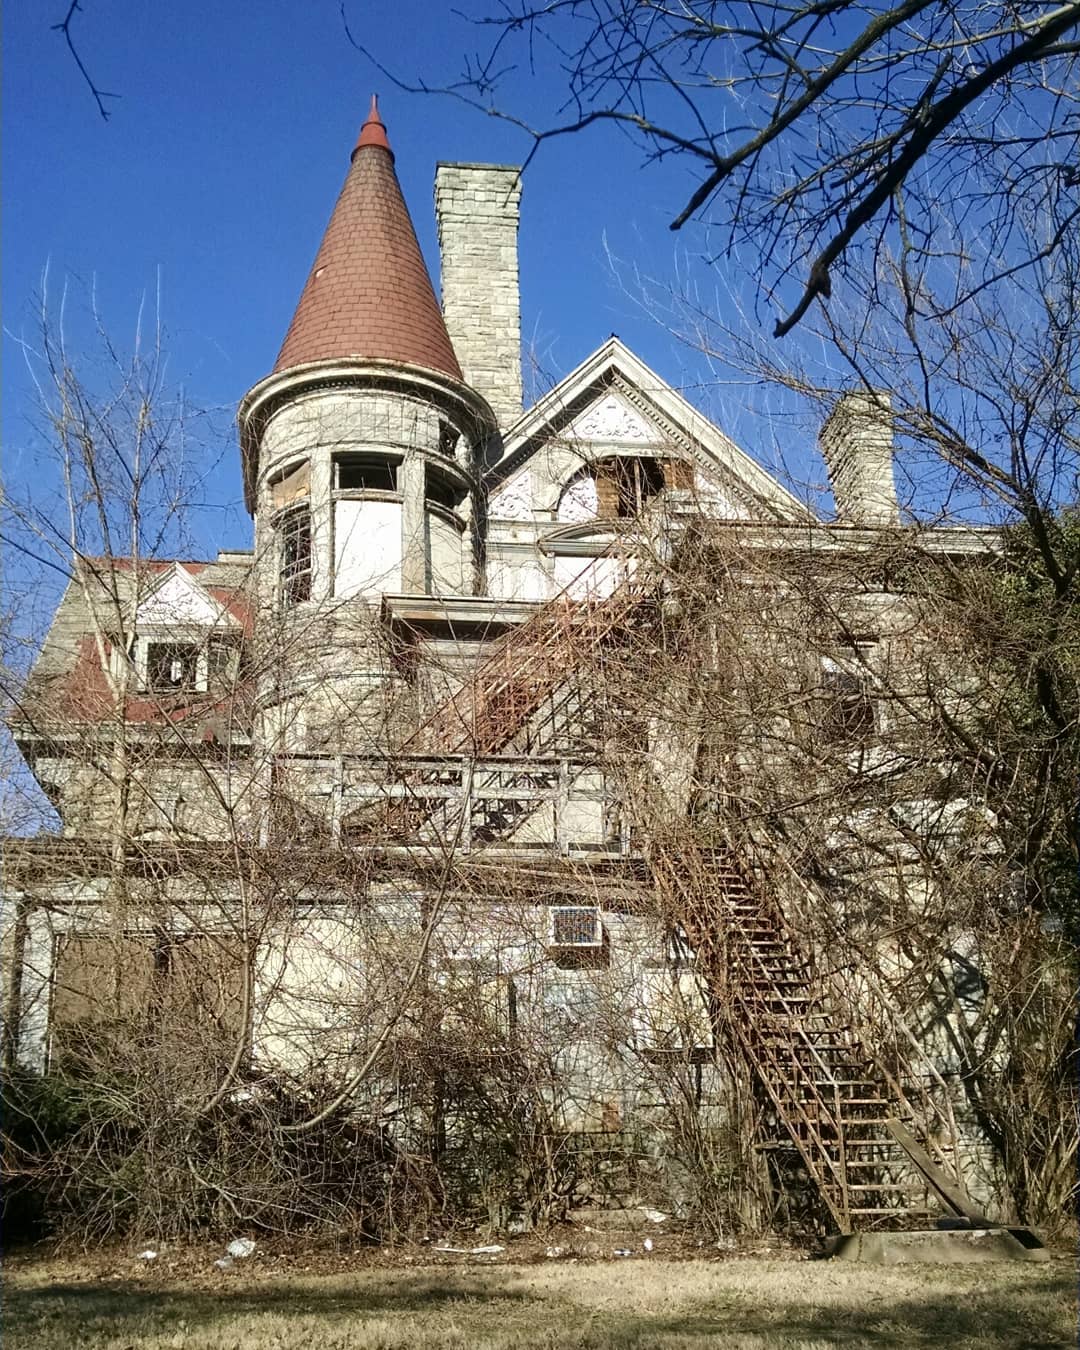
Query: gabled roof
pixel 614 398
pixel 369 294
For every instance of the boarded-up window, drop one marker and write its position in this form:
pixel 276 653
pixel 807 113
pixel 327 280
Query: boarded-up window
pixel 100 977
pixel 191 981
pixel 291 487
pixel 476 1001
pixel 678 474
pixel 672 1011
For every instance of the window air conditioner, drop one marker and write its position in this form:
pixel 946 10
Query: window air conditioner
pixel 575 926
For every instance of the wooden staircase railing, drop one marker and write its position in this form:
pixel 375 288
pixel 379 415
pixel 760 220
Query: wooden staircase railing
pixel 526 667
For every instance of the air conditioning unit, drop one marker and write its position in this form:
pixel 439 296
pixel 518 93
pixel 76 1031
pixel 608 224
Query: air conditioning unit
pixel 575 926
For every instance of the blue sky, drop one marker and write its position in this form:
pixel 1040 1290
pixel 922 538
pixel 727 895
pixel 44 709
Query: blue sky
pixel 220 163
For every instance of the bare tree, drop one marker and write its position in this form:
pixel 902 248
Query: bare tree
pixel 816 131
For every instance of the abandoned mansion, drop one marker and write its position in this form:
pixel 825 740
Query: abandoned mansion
pixel 556 760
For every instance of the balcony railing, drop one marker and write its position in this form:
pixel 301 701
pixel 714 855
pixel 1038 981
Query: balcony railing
pixel 539 804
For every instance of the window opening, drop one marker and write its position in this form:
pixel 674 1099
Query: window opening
pixel 849 713
pixel 441 492
pixel 296 556
pixel 353 473
pixel 624 485
pixel 448 438
pixel 171 667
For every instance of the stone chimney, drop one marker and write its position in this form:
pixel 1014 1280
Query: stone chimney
pixel 857 442
pixel 476 206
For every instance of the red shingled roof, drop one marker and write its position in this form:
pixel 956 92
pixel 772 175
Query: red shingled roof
pixel 369 293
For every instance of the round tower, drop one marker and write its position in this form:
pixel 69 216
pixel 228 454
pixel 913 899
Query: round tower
pixel 361 449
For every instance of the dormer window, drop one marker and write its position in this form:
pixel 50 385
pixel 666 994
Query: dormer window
pixel 172 667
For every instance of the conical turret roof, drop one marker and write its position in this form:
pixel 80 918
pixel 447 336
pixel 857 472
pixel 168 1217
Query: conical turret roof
pixel 369 294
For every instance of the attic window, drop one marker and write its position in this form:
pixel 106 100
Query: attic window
pixel 171 667
pixel 624 485
pixel 355 473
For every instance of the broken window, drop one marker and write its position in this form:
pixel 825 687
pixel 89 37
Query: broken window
pixel 295 538
pixel 849 703
pixel 171 667
pixel 357 473
pixel 448 438
pixel 624 485
pixel 441 491
pixel 291 487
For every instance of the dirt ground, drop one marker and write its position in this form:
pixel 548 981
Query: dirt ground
pixel 569 1294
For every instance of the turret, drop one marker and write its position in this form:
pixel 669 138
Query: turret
pixel 361 452
pixel 359 448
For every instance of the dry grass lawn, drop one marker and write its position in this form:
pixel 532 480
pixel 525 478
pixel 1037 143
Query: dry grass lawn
pixel 640 1304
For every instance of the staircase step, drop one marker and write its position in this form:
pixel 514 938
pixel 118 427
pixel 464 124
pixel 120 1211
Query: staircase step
pixel 898 1186
pixel 899 1211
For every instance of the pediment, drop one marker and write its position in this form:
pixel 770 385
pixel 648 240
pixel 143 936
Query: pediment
pixel 611 420
pixel 179 601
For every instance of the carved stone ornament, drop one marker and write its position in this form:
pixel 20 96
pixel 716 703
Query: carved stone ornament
pixel 513 501
pixel 611 420
pixel 579 500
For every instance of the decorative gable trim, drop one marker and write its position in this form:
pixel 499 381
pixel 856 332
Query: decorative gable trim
pixel 178 600
pixel 613 421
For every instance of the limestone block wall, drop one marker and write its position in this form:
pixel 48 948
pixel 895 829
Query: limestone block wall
pixel 366 542
pixel 477 209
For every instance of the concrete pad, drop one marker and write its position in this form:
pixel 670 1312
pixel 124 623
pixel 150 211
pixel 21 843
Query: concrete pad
pixel 938 1246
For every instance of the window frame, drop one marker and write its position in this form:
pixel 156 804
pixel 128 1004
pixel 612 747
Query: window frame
pixel 287 579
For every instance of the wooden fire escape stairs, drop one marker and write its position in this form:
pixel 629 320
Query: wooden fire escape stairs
pixel 873 1141
pixel 872 1136
pixel 515 705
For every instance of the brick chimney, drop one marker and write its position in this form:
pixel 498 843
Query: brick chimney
pixel 857 442
pixel 477 208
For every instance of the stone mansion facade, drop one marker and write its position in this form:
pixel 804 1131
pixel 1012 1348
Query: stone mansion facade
pixel 378 699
